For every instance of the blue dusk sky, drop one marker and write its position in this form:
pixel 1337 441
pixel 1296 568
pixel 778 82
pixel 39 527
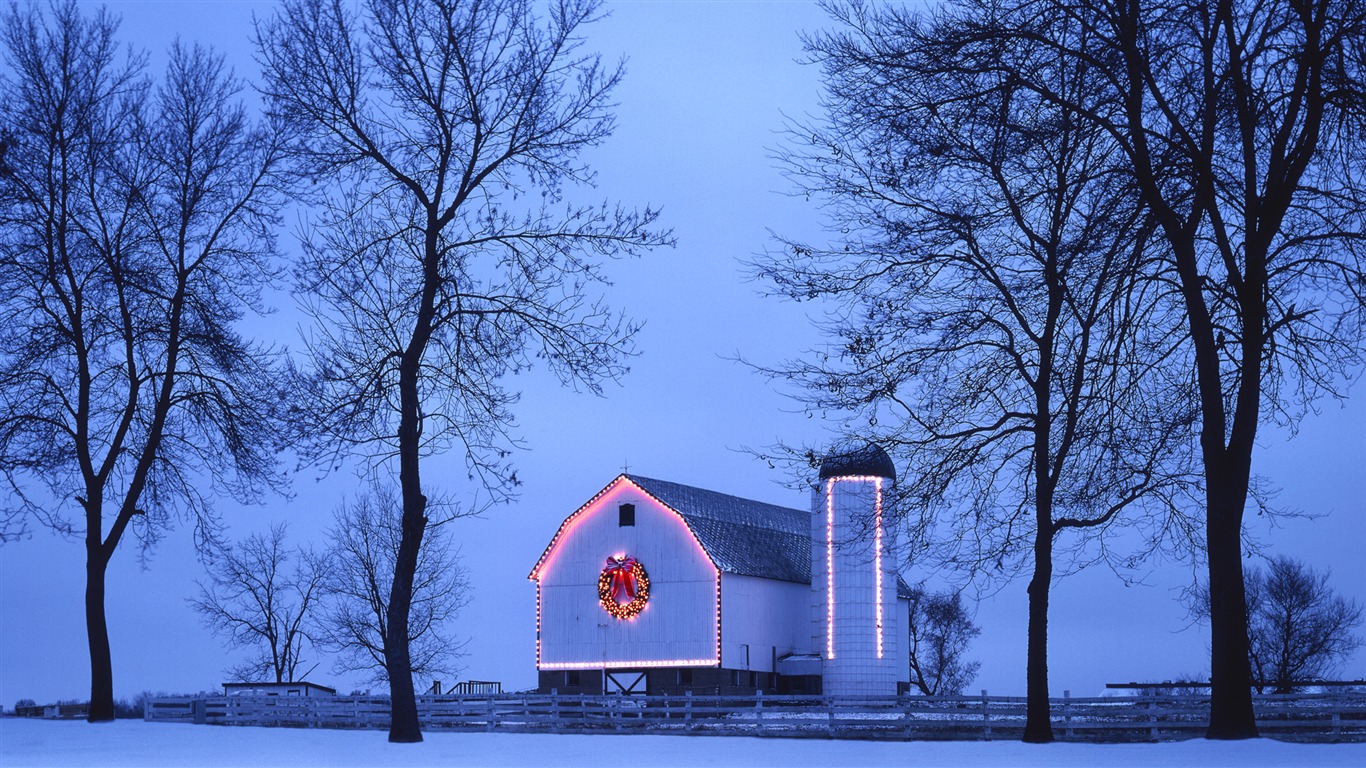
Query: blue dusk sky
pixel 703 104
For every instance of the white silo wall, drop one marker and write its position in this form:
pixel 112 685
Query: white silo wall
pixel 862 657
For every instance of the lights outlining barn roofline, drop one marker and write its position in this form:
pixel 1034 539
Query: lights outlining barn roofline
pixel 600 664
pixel 573 520
pixel 535 574
pixel 830 559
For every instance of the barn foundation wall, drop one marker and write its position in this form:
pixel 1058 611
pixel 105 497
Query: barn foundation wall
pixel 668 681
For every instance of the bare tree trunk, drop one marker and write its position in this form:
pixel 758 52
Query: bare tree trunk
pixel 1231 715
pixel 97 632
pixel 403 725
pixel 1228 469
pixel 1038 725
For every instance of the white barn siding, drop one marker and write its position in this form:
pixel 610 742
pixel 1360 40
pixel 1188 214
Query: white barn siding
pixel 762 619
pixel 678 624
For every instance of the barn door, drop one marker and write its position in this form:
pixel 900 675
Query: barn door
pixel 628 682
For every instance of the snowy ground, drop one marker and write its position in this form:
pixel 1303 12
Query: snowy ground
pixel 134 743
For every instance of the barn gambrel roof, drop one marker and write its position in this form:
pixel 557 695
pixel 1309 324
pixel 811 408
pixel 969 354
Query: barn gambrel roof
pixel 742 536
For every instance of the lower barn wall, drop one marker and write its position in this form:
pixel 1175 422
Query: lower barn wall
pixel 585 682
pixel 763 620
pixel 701 681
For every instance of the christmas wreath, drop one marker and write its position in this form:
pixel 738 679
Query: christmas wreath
pixel 623 587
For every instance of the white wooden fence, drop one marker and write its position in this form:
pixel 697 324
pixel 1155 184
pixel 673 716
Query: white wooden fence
pixel 1334 716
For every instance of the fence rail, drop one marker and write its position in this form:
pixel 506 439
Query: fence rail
pixel 1333 715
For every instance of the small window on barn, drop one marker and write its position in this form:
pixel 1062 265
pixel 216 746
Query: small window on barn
pixel 626 515
pixel 735 677
pixel 685 677
pixel 572 677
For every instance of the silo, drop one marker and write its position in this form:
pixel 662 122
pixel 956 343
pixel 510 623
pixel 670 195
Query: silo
pixel 856 622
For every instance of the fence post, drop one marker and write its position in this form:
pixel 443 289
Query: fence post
pixel 1067 712
pixel 1152 718
pixel 687 709
pixel 555 709
pixel 759 709
pixel 986 716
pixel 830 714
pixel 906 718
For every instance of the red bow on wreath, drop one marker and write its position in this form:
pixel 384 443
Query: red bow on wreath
pixel 622 573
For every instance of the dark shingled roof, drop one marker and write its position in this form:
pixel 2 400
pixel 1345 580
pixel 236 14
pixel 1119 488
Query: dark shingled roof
pixel 744 537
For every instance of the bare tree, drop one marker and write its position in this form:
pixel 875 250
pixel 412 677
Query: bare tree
pixel 137 229
pixel 987 324
pixel 1299 628
pixel 1243 124
pixel 262 595
pixel 941 630
pixel 365 542
pixel 445 255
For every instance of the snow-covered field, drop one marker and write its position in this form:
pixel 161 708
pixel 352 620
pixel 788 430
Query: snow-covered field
pixel 135 743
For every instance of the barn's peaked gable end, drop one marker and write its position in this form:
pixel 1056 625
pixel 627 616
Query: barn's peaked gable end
pixel 595 612
pixel 569 522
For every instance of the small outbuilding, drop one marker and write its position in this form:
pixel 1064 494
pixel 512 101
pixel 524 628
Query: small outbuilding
pixel 277 689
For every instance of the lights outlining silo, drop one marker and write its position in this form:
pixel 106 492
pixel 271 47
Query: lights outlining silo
pixel 857 585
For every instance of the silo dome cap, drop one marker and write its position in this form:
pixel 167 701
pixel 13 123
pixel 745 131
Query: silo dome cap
pixel 857 459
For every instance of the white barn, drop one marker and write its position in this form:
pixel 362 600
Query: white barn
pixel 656 587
